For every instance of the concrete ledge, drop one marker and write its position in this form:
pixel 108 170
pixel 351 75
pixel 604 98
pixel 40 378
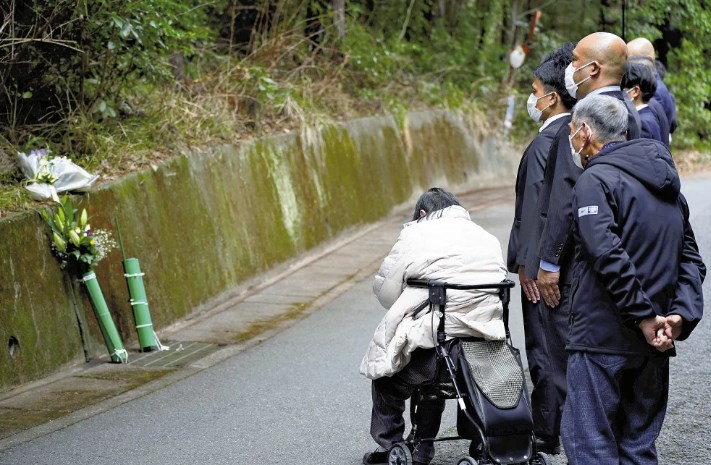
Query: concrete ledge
pixel 205 223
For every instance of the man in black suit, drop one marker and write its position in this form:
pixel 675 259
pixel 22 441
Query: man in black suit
pixel 656 108
pixel 549 104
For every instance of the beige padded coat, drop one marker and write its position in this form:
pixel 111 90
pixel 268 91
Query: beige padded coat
pixel 446 246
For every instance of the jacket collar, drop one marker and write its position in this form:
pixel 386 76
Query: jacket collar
pixel 455 211
pixel 607 90
pixel 552 119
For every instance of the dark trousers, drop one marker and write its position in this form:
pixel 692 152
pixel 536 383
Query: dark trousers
pixel 556 324
pixel 387 424
pixel 546 331
pixel 615 408
pixel 538 365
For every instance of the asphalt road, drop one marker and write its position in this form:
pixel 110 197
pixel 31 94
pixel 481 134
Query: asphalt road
pixel 297 398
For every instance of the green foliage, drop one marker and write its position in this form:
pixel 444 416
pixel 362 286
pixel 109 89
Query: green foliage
pixel 692 89
pixel 433 53
pixel 685 29
pixel 68 56
pixel 375 60
pixel 681 33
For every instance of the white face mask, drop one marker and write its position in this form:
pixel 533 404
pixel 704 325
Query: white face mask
pixel 531 103
pixel 575 154
pixel 570 85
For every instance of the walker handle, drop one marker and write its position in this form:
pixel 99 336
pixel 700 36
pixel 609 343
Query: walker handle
pixel 505 284
pixel 504 288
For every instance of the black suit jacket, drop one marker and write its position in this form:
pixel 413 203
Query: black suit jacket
pixel 555 201
pixel 528 183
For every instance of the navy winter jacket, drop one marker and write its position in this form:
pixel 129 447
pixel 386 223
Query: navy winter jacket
pixel 668 103
pixel 650 125
pixel 636 255
pixel 661 120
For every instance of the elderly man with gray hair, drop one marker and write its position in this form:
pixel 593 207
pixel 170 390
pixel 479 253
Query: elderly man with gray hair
pixel 637 288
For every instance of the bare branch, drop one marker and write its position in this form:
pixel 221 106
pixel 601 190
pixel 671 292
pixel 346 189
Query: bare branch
pixel 62 43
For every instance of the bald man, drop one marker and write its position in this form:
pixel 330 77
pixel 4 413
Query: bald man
pixel 599 62
pixel 643 48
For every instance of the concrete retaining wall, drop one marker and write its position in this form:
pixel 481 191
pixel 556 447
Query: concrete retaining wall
pixel 202 224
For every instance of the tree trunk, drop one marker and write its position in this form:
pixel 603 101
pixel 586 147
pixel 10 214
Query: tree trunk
pixel 339 17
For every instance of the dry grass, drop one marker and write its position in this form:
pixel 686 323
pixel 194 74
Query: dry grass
pixel 7 165
pixel 692 162
pixel 284 84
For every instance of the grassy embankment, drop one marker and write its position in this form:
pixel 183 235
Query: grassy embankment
pixel 226 100
pixel 284 85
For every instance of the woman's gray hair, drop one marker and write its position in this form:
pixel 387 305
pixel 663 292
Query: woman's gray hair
pixel 607 117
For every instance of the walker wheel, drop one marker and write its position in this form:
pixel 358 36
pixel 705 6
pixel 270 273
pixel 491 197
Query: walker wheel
pixel 541 459
pixel 399 454
pixel 466 460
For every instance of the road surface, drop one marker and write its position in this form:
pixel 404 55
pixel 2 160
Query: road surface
pixel 297 398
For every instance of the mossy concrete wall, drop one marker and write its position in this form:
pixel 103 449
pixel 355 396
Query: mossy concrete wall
pixel 202 224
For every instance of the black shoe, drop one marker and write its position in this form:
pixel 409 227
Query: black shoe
pixel 375 457
pixel 548 445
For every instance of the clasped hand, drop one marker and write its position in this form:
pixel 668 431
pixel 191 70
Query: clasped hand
pixel 661 332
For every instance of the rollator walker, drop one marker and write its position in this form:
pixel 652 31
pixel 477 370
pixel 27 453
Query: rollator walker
pixel 486 378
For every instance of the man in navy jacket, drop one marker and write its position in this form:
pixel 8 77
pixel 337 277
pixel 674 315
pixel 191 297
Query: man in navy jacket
pixel 637 288
pixel 643 48
pixel 550 104
pixel 639 83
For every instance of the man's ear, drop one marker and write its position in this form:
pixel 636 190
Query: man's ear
pixel 596 69
pixel 555 99
pixel 587 134
pixel 637 91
